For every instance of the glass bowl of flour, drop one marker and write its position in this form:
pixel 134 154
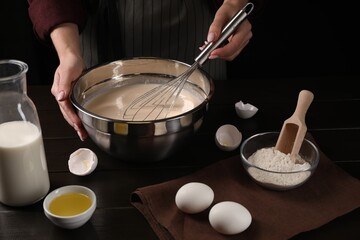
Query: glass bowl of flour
pixel 273 169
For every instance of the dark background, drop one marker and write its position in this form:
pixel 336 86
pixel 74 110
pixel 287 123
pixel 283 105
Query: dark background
pixel 295 38
pixel 18 41
pixel 292 38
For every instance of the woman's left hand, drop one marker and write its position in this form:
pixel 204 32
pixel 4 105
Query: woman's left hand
pixel 238 40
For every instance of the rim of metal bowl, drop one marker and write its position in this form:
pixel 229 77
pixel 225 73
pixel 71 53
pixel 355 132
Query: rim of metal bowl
pixel 78 106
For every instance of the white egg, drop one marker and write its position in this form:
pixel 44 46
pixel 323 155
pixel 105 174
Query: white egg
pixel 245 110
pixel 228 137
pixel 194 197
pixel 82 162
pixel 229 217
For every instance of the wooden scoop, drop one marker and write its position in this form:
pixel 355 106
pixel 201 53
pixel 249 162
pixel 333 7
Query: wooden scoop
pixel 294 128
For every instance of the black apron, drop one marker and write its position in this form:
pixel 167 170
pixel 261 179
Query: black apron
pixel 169 29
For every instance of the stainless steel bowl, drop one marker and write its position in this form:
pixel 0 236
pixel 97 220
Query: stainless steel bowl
pixel 139 141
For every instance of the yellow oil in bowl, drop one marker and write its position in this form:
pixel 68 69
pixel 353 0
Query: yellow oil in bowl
pixel 70 204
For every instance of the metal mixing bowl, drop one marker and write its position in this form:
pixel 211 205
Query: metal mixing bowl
pixel 140 141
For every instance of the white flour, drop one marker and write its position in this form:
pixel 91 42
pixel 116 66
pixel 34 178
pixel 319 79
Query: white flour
pixel 274 160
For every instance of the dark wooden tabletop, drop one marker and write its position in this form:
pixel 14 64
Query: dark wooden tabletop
pixel 333 119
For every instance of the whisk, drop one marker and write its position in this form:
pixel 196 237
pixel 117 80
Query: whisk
pixel 160 100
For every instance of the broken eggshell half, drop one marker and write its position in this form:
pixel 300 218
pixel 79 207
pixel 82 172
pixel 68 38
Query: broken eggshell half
pixel 82 162
pixel 245 110
pixel 228 137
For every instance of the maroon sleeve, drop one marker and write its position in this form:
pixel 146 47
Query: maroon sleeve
pixel 47 14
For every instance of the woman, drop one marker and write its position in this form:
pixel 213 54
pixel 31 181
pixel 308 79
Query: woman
pixel 87 33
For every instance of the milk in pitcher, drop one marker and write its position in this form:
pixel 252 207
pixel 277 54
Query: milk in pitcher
pixel 23 170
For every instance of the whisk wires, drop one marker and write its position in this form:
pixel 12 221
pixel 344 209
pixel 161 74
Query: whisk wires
pixel 159 101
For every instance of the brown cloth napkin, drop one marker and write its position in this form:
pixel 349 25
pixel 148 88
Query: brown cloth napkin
pixel 276 214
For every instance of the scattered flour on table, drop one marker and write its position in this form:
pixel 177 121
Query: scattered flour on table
pixel 274 160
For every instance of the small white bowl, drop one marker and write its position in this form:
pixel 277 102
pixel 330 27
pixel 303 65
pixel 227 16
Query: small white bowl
pixel 245 110
pixel 74 221
pixel 228 137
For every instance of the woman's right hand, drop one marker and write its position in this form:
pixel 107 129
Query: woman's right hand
pixel 66 40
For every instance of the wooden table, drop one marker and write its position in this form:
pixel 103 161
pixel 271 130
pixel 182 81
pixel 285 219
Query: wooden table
pixel 332 119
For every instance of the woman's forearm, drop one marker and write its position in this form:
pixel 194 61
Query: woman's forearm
pixel 66 39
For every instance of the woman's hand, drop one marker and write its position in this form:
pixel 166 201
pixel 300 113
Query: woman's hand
pixel 67 43
pixel 238 40
pixel 67 72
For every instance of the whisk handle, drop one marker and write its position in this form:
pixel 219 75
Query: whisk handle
pixel 238 18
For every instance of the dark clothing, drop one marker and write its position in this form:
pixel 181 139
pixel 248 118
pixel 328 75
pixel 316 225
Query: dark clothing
pixel 118 29
pixel 47 14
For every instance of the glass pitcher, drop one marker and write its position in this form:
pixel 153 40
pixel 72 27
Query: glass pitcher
pixel 24 177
